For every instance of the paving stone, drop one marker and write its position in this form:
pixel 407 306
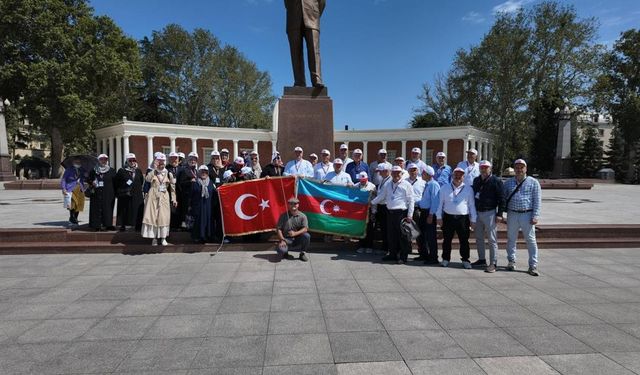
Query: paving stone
pixel 344 301
pixel 31 311
pixel 617 295
pixel 298 349
pixel 406 319
pixel 630 360
pixel 460 317
pixel 426 344
pixel 240 324
pixel 548 340
pixel 374 368
pixel 585 364
pixel 611 312
pixel 227 371
pixel 421 284
pixel 244 276
pixel 563 314
pixel 11 329
pixel 380 285
pixel 515 366
pixel 372 273
pixel 331 285
pixel 484 298
pixel 57 330
pixel 464 285
pixel 530 297
pixel 294 274
pixel 512 316
pixel 157 355
pixel 632 328
pixel 204 290
pixel 603 337
pixel 575 295
pixel 296 322
pixel 111 292
pixel 460 366
pixel 352 321
pixel 157 291
pixel 87 357
pixel 294 287
pixel 140 307
pixel 170 279
pixel 238 304
pixel 438 299
pixel 392 300
pixel 20 359
pixel 251 288
pixel 87 309
pixel 488 342
pixel 363 347
pixel 181 326
pixel 123 328
pixel 319 369
pixel 193 306
pixel 295 302
pixel 247 351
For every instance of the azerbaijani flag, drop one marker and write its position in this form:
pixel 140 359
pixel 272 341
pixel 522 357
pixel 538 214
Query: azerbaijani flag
pixel 333 209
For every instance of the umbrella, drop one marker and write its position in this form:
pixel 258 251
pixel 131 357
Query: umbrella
pixel 88 162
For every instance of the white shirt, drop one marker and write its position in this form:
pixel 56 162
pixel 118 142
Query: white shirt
pixel 341 178
pixel 457 201
pixel 399 196
pixel 321 170
pixel 471 171
pixel 418 188
pixel 374 176
pixel 421 165
pixel 369 186
pixel 298 168
pixel 384 181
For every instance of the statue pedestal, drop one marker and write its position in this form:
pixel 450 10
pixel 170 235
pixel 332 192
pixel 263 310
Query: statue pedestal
pixel 6 173
pixel 305 119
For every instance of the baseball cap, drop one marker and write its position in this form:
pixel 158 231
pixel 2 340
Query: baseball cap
pixel 203 168
pixel 396 168
pixel 400 158
pixel 174 155
pixel 224 151
pixel 416 149
pixel 344 146
pixel 325 151
pixel 363 175
pixel 103 156
pixel 429 170
pixel 293 200
pixel 412 165
pixel 215 153
pixel 181 155
pixel 338 161
pixel 382 151
pixel 472 151
pixel 254 152
pixel 520 161
pixel 130 156
pixel 441 154
pixel 485 163
pixel 239 160
pixel 298 148
pixel 161 156
pixel 312 155
pixel 458 170
pixel 357 151
pixel 193 154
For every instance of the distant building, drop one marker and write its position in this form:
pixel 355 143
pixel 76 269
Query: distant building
pixel 603 123
pixel 29 141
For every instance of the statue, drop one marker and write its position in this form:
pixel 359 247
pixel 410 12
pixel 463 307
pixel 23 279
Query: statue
pixel 303 22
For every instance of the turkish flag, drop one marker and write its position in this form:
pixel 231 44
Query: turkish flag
pixel 254 206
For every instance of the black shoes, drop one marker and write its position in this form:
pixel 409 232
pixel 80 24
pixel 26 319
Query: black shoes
pixel 389 258
pixel 304 257
pixel 480 262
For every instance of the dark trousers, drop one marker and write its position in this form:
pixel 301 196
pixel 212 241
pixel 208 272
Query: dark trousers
pixel 299 243
pixel 312 39
pixel 381 222
pixel 458 224
pixel 417 213
pixel 398 244
pixel 429 248
pixel 367 241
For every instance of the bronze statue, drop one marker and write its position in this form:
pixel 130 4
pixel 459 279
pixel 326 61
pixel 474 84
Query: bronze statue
pixel 303 22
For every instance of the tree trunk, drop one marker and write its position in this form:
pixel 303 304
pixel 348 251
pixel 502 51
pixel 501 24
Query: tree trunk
pixel 57 148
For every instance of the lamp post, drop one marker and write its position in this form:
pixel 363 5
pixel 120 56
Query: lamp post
pixel 6 173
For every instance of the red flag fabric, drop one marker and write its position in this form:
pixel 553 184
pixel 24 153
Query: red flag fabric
pixel 254 206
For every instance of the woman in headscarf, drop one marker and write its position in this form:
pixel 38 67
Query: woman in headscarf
pixel 186 178
pixel 102 180
pixel 157 208
pixel 129 181
pixel 275 168
pixel 203 194
pixel 216 169
pixel 73 186
pixel 254 163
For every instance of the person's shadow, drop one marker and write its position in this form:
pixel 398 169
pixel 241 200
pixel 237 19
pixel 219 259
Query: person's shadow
pixel 272 258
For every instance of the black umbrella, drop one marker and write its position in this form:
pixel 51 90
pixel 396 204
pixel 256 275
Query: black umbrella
pixel 88 162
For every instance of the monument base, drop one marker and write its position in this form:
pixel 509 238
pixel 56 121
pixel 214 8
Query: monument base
pixel 305 119
pixel 562 168
pixel 6 173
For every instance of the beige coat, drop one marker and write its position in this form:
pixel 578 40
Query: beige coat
pixel 157 205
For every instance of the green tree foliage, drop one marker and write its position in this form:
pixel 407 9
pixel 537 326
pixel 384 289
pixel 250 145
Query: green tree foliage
pixel 427 120
pixel 65 69
pixel 189 78
pixel 545 125
pixel 618 91
pixel 589 155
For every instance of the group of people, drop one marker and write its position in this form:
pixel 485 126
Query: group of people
pixel 410 192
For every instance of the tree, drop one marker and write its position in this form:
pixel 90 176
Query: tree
pixel 545 124
pixel 589 154
pixel 427 120
pixel 189 78
pixel 66 70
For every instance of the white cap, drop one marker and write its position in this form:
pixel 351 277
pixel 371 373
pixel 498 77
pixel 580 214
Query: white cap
pixel 155 154
pixel 181 155
pixel 239 160
pixel 298 148
pixel 344 146
pixel 312 155
pixel 203 168
pixel 441 154
pixel 325 151
pixel 224 150
pixel 520 161
pixel 161 156
pixel 396 168
pixel 362 175
pixel 193 154
pixel 458 170
pixel 357 151
pixel 472 151
pixel 400 158
pixel 174 155
pixel 275 155
pixel 103 156
pixel 254 152
pixel 130 156
pixel 429 170
pixel 416 149
pixel 412 165
pixel 227 174
pixel 485 163
pixel 382 151
pixel 215 153
pixel 246 170
pixel 338 161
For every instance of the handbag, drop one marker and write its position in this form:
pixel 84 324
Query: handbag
pixel 90 192
pixel 409 229
pixel 123 192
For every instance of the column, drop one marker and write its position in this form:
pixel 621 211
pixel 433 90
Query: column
pixel 173 144
pixel 466 148
pixel 235 149
pixel 490 153
pixel 119 155
pixel 103 149
pixel 384 144
pixel 215 144
pixel 273 147
pixel 445 145
pixel 194 145
pixel 255 145
pixel 365 151
pixel 126 144
pixel 149 149
pixel 403 153
pixel 424 150
pixel 98 145
pixel 112 141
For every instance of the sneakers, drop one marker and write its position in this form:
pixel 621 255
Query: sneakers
pixel 401 261
pixel 466 265
pixel 491 268
pixel 445 263
pixel 389 258
pixel 368 250
pixel 533 271
pixel 164 242
pixel 480 262
pixel 304 257
pixel 287 256
pixel 361 250
pixel 431 261
pixel 511 266
pixel 419 259
pixel 154 242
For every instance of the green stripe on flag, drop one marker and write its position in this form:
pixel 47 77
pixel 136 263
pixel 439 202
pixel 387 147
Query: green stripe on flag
pixel 336 225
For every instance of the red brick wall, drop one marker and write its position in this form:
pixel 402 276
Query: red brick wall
pixel 183 145
pixel 264 152
pixel 138 145
pixel 411 145
pixel 159 142
pixel 201 144
pixel 223 143
pixel 454 153
pixel 394 146
pixel 435 146
pixel 244 145
pixel 372 151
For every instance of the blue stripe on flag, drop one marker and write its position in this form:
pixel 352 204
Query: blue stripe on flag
pixel 334 192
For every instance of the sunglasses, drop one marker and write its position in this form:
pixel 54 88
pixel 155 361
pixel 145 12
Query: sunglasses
pixel 133 160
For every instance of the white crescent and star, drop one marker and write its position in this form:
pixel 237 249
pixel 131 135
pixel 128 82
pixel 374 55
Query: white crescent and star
pixel 264 204
pixel 323 208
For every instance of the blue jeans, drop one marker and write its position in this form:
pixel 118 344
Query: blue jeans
pixel 300 243
pixel 486 226
pixel 517 221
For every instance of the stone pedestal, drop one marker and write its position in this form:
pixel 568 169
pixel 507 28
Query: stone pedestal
pixel 305 119
pixel 562 163
pixel 6 173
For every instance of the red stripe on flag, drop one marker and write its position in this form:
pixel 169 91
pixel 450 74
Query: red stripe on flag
pixel 343 209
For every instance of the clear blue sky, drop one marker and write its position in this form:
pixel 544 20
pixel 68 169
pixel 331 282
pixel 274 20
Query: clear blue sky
pixel 376 54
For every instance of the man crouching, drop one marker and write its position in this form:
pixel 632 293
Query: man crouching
pixel 292 229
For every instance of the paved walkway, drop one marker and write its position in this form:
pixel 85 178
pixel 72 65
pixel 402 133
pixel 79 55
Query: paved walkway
pixel 604 204
pixel 240 313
